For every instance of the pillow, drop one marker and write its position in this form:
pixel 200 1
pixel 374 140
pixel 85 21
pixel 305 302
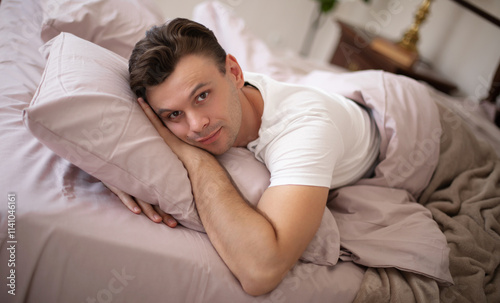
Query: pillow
pixel 113 24
pixel 86 113
pixel 253 54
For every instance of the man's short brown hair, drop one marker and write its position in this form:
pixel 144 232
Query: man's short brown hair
pixel 155 56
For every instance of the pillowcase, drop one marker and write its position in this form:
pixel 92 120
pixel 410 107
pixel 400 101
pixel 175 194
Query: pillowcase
pixel 86 113
pixel 253 54
pixel 113 24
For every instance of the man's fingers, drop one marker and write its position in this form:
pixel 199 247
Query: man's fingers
pixel 129 202
pixel 125 198
pixel 149 211
pixel 154 213
pixel 150 114
pixel 158 125
pixel 167 218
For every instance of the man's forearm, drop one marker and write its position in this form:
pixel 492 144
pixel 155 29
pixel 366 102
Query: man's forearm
pixel 242 236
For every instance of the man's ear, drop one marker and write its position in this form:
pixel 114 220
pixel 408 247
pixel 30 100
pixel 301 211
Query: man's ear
pixel 233 69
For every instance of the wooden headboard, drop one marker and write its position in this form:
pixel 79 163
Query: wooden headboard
pixel 494 90
pixel 482 13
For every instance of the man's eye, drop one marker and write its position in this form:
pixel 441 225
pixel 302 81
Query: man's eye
pixel 174 115
pixel 202 96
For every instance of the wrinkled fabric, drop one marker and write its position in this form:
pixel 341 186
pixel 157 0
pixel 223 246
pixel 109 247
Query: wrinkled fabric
pixel 464 199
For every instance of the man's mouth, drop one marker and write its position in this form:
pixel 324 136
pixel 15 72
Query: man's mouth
pixel 210 138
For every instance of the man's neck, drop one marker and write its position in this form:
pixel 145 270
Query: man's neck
pixel 252 107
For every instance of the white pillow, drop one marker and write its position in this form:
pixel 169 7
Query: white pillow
pixel 113 24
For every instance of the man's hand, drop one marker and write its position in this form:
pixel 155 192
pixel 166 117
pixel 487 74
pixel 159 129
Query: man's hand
pixel 154 213
pixel 172 141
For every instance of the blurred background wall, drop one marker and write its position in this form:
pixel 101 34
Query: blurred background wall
pixel 461 46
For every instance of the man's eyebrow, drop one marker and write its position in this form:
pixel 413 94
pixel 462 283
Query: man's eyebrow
pixel 197 87
pixel 161 111
pixel 191 95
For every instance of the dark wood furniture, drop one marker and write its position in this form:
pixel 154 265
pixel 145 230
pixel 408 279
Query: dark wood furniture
pixel 354 52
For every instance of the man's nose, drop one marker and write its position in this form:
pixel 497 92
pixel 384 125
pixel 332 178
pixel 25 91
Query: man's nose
pixel 197 122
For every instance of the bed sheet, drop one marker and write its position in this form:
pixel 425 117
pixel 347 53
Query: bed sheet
pixel 74 241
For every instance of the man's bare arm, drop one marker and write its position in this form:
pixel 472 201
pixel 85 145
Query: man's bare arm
pixel 258 245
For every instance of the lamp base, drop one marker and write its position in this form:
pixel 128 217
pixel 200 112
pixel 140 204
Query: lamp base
pixel 400 55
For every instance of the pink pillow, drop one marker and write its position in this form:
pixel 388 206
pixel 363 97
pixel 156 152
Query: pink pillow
pixel 86 113
pixel 113 24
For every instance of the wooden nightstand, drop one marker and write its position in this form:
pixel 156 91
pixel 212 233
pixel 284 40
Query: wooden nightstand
pixel 354 53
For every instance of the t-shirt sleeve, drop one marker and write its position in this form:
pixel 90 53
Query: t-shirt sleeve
pixel 305 154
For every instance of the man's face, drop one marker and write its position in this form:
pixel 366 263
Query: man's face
pixel 199 104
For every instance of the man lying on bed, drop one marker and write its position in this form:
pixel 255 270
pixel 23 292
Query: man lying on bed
pixel 310 141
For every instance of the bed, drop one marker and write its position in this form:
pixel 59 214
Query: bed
pixel 64 237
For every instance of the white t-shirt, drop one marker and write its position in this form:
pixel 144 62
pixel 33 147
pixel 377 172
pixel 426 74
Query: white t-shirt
pixel 310 137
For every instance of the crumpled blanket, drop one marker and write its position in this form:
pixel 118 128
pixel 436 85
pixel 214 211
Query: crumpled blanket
pixel 464 199
pixel 379 222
